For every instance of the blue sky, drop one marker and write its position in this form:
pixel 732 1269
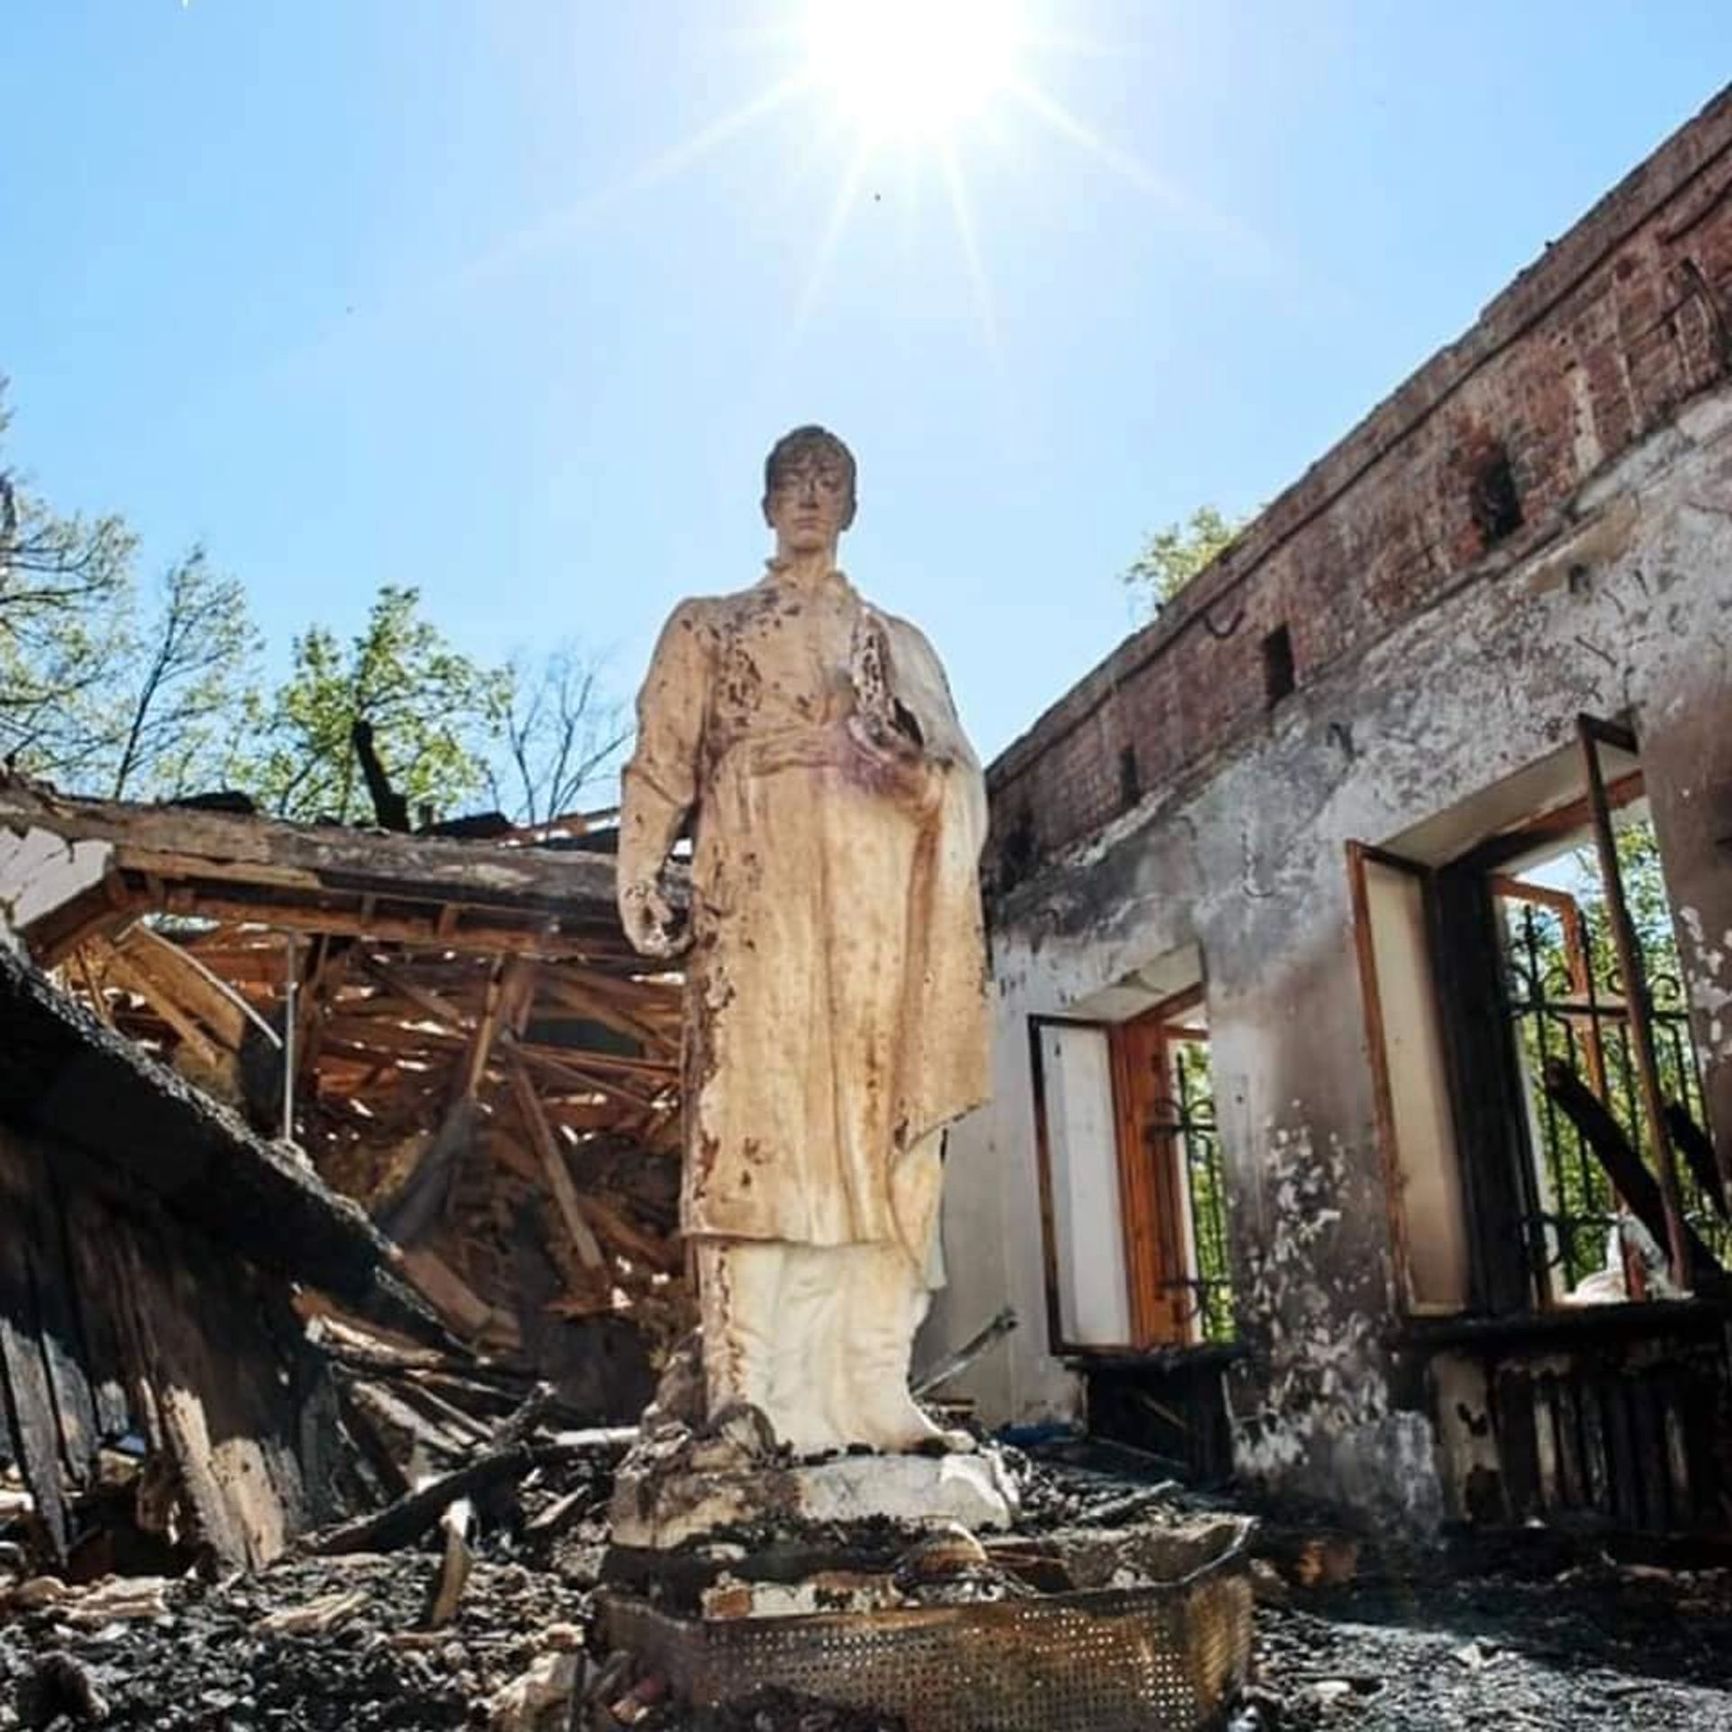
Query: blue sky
pixel 448 292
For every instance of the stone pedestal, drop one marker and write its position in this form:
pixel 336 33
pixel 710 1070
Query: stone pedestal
pixel 655 1508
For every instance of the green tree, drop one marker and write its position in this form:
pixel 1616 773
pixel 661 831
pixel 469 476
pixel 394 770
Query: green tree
pixel 557 734
pixel 1172 556
pixel 431 708
pixel 179 687
pixel 95 693
pixel 64 586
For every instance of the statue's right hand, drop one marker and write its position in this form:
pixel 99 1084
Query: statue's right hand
pixel 652 923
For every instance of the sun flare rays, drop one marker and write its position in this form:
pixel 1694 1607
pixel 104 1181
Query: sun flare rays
pixel 908 94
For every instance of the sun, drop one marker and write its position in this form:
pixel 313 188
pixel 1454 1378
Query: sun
pixel 911 70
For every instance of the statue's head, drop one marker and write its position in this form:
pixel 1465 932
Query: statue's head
pixel 808 490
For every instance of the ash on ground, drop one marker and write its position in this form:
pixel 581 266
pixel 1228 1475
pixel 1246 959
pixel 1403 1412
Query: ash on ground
pixel 1599 1644
pixel 317 1643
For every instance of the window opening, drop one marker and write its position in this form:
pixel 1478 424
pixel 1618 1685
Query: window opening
pixel 1278 669
pixel 1532 1048
pixel 1133 1185
pixel 1611 1076
pixel 1130 779
pixel 1493 497
pixel 1183 1130
pixel 1566 1003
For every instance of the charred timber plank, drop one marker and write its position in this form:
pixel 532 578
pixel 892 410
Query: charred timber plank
pixel 138 1129
pixel 28 1397
pixel 195 988
pixel 63 1352
pixel 470 1315
pixel 121 970
pixel 227 1416
pixel 584 1080
pixel 401 1433
pixel 1518 1442
pixel 89 1247
pixel 651 1069
pixel 440 1008
pixel 243 1403
pixel 503 1006
pixel 391 866
pixel 406 1520
pixel 424 1189
pixel 96 913
pixel 1698 1152
pixel 1630 1178
pixel 552 936
pixel 389 807
pixel 608 1001
pixel 658 1253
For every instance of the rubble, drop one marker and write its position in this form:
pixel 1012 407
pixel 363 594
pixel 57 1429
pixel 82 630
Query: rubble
pixel 452 1032
pixel 326 1642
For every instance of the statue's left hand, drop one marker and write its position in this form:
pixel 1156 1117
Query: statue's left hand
pixel 652 923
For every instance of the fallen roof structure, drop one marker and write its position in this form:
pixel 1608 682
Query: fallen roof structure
pixel 454 1032
pixel 145 1323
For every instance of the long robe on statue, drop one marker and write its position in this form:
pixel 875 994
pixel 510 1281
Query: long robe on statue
pixel 836 1003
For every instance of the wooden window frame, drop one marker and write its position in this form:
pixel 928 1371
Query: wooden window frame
pixel 1152 1210
pixel 1359 856
pixel 1495 1188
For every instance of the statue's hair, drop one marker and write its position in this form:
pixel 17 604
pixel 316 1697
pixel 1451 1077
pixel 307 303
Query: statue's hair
pixel 805 442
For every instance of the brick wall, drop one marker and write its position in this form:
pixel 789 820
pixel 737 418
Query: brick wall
pixel 1589 349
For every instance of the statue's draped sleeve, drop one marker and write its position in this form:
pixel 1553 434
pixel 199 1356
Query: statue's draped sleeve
pixel 660 784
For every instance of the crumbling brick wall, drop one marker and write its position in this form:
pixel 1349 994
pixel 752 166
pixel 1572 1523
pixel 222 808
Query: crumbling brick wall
pixel 1585 353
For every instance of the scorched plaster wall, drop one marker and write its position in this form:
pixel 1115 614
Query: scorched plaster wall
pixel 1596 389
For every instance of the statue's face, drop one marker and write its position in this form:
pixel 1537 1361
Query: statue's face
pixel 810 505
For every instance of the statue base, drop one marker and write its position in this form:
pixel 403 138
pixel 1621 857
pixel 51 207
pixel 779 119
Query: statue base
pixel 657 1509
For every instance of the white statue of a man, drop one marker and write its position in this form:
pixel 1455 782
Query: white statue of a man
pixel 835 960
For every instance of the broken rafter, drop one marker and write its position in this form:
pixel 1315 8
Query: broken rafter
pixel 180 844
pixel 122 970
pixel 413 1057
pixel 544 939
pixel 406 1520
pixel 1629 1174
pixel 586 1081
pixel 545 1141
pixel 436 1005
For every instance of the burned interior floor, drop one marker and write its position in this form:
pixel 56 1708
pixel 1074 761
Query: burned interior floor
pixel 1554 1635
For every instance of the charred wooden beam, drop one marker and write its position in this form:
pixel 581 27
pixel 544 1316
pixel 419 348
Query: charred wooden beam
pixel 1698 1151
pixel 389 807
pixel 546 1144
pixel 182 846
pixel 1630 1178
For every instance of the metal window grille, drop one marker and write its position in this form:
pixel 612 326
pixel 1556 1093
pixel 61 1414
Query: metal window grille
pixel 1184 1120
pixel 1564 1000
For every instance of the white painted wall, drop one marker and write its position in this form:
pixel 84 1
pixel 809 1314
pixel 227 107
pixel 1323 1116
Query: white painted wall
pixel 39 871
